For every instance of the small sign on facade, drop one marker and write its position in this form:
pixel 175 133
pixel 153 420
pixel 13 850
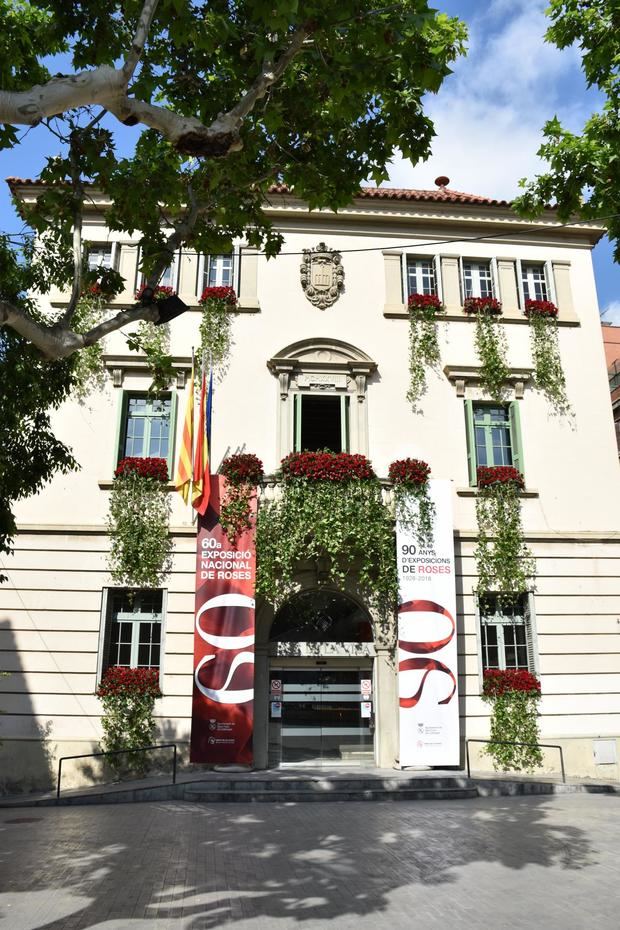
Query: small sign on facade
pixel 276 710
pixel 366 709
pixel 366 687
pixel 276 686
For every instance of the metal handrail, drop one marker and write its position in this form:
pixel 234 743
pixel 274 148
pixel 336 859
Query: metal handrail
pixel 118 752
pixel 507 742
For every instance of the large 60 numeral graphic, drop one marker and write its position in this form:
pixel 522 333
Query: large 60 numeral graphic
pixel 425 647
pixel 223 666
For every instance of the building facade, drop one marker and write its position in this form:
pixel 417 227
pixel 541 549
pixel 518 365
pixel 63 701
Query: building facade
pixel 301 375
pixel 611 341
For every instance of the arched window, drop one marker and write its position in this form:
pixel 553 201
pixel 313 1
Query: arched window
pixel 321 616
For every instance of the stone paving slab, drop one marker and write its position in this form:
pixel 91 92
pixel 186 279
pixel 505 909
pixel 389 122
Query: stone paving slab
pixel 501 863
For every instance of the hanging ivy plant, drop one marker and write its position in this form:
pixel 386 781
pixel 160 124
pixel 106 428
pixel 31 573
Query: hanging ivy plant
pixel 138 523
pixel 243 472
pixel 491 345
pixel 215 336
pixel 514 695
pixel 548 373
pixel 423 341
pixel 504 562
pixel 153 340
pixel 128 697
pixel 330 510
pixel 412 503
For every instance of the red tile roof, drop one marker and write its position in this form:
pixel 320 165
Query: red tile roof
pixel 440 195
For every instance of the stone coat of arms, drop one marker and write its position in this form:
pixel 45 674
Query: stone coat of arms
pixel 322 275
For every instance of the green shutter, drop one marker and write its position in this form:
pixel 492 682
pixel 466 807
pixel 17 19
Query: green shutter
pixel 172 433
pixel 297 421
pixel 530 634
pixel 344 423
pixel 471 442
pixel 515 436
pixel 121 426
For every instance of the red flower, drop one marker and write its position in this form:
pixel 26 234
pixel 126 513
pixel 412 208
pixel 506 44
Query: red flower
pixel 540 308
pixel 159 292
pixel 499 474
pixel 225 294
pixel 489 305
pixel 129 682
pixel 143 467
pixel 497 682
pixel 425 301
pixel 243 468
pixel 326 466
pixel 409 471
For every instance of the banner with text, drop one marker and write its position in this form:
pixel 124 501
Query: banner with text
pixel 427 658
pixel 223 697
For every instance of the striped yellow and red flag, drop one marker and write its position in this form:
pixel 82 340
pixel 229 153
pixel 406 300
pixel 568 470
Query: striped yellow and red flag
pixel 183 479
pixel 202 483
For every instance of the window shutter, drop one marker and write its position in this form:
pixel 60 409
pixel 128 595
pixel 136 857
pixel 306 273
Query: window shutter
pixel 121 426
pixel 495 279
pixel 515 436
pixel 531 638
pixel 471 442
pixel 478 612
pixel 172 434
pixel 297 421
pixel 438 281
pixel 344 423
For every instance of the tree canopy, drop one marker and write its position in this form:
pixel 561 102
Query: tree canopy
pixel 232 96
pixel 583 174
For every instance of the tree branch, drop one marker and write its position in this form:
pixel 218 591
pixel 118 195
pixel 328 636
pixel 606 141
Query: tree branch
pixel 61 93
pixel 137 46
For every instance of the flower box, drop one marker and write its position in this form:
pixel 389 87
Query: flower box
pixel 483 305
pixel 489 475
pixel 143 468
pixel 409 471
pixel 243 468
pixel 160 292
pixel 497 682
pixel 425 302
pixel 541 308
pixel 326 466
pixel 128 682
pixel 225 294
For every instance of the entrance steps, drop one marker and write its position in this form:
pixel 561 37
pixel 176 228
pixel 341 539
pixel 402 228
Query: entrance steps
pixel 288 786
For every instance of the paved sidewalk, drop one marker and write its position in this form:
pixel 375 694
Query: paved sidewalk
pixel 504 863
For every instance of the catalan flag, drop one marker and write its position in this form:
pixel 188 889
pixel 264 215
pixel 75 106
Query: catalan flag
pixel 202 478
pixel 183 479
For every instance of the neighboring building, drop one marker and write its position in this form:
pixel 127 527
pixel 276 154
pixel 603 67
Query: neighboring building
pixel 611 341
pixel 301 376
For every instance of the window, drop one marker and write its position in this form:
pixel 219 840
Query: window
pixel 493 436
pixel 100 255
pixel 216 271
pixel 169 277
pixel 422 277
pixel 147 427
pixel 477 277
pixel 321 422
pixel 534 281
pixel 507 636
pixel 132 631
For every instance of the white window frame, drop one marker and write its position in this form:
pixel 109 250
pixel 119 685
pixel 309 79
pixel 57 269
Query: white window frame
pixel 104 617
pixel 174 265
pixel 204 264
pixel 531 636
pixel 345 417
pixel 434 261
pixel 549 281
pixel 492 263
pixel 97 243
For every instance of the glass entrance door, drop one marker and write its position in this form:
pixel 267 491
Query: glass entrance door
pixel 326 716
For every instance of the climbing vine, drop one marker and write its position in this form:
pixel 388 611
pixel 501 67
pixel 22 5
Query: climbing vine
pixel 513 695
pixel 215 325
pixel 504 562
pixel 548 372
pixel 138 523
pixel 412 503
pixel 423 341
pixel 243 473
pixel 330 510
pixel 128 697
pixel 491 345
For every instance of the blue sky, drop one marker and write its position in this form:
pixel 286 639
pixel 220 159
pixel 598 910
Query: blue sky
pixel 488 117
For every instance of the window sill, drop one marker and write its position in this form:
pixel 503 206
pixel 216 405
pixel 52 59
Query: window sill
pixel 106 483
pixel 457 315
pixel 473 492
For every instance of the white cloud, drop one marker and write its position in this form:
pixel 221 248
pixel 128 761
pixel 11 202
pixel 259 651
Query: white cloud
pixel 489 114
pixel 611 313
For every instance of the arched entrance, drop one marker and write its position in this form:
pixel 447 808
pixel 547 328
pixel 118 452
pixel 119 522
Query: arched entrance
pixel 321 698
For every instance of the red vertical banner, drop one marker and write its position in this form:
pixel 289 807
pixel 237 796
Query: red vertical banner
pixel 223 696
